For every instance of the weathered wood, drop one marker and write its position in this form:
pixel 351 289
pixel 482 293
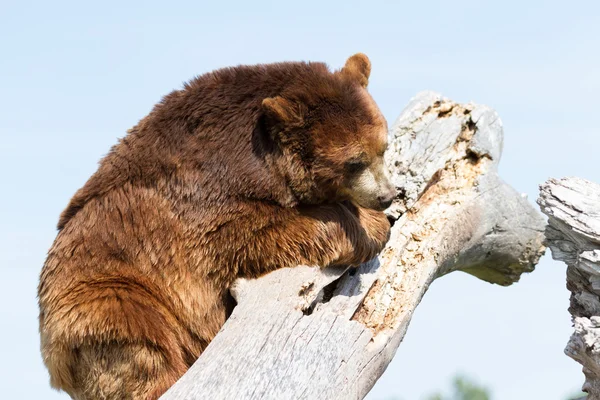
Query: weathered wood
pixel 308 333
pixel 573 234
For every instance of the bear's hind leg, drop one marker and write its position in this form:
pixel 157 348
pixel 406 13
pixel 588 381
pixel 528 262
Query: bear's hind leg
pixel 132 371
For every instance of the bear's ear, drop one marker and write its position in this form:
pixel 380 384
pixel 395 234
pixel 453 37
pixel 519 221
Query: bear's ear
pixel 358 67
pixel 283 110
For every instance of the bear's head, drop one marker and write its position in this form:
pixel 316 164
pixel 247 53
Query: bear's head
pixel 332 137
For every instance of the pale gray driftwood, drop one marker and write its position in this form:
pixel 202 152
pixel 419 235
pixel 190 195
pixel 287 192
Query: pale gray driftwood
pixel 307 333
pixel 573 234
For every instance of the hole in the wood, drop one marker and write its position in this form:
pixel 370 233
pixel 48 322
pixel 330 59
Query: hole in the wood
pixel 472 157
pixel 391 220
pixel 309 310
pixel 326 293
pixel 471 125
pixel 306 288
pixel 229 302
pixel 401 193
pixel 400 196
pixel 445 113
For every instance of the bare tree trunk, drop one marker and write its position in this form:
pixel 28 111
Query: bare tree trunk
pixel 308 333
pixel 573 235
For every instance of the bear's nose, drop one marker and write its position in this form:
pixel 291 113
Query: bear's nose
pixel 386 199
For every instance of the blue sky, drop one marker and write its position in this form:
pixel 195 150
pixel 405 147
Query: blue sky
pixel 74 76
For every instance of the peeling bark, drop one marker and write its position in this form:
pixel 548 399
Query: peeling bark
pixel 306 332
pixel 573 234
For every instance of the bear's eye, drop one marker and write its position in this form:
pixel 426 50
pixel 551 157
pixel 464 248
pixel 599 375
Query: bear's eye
pixel 355 166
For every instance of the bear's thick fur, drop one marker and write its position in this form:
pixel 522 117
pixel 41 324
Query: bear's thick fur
pixel 243 171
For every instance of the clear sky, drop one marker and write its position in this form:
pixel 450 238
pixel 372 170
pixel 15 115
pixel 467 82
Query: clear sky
pixel 74 76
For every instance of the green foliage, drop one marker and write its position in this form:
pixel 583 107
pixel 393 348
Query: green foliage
pixel 463 389
pixel 577 395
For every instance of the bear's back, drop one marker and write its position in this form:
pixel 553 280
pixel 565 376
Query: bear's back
pixel 208 131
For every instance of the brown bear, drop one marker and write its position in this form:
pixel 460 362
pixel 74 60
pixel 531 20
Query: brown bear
pixel 243 171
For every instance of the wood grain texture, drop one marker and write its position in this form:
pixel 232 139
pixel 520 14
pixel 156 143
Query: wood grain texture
pixel 307 332
pixel 573 234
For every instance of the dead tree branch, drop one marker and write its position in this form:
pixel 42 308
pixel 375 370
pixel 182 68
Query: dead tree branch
pixel 573 234
pixel 307 333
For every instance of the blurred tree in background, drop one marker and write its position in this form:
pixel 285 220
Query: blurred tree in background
pixel 464 389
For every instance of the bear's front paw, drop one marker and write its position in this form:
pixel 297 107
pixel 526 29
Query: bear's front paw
pixel 377 231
